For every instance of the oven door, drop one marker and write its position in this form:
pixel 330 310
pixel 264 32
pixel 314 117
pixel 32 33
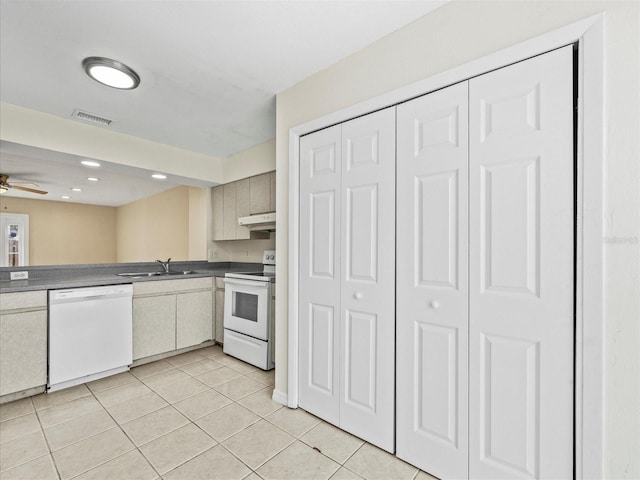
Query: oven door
pixel 247 305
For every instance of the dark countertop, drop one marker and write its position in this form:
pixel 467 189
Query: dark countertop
pixel 77 276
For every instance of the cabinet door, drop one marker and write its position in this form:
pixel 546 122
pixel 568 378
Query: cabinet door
pixel 272 191
pixel 367 323
pixel 219 316
pixel 154 325
pixel 521 270
pixel 194 318
pixel 217 213
pixel 230 218
pixel 260 193
pixel 319 297
pixel 23 351
pixel 243 207
pixel 432 282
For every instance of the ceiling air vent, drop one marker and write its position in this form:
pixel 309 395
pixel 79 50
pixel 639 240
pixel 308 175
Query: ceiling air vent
pixel 91 118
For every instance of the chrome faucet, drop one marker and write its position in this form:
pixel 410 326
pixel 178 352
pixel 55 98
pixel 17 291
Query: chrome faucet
pixel 165 265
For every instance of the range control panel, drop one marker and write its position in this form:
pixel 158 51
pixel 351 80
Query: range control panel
pixel 269 257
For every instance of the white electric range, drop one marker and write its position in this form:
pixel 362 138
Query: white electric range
pixel 248 323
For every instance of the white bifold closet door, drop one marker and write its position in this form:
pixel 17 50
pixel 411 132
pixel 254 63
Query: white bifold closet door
pixel 347 278
pixel 503 406
pixel 521 271
pixel 432 274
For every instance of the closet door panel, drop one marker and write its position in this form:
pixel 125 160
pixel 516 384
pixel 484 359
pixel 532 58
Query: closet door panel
pixel 432 294
pixel 521 270
pixel 368 282
pixel 319 301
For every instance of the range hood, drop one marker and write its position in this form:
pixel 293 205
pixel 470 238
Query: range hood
pixel 261 222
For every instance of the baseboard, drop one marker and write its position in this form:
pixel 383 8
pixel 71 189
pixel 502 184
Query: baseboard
pixel 279 397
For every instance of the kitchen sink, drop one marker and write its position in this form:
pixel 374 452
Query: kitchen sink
pixel 155 274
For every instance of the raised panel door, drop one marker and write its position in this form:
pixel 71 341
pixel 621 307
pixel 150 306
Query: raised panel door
pixel 319 297
pixel 432 293
pixel 367 270
pixel 521 270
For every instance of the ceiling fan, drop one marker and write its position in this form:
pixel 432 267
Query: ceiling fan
pixel 25 186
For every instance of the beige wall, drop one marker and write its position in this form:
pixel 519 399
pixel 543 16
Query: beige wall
pixel 458 33
pixel 170 224
pixel 199 226
pixel 250 162
pixel 62 233
pixel 29 127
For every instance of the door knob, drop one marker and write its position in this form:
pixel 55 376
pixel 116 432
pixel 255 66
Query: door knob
pixel 434 304
pixel 358 295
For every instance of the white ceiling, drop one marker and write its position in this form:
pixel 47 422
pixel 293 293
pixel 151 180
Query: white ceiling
pixel 209 70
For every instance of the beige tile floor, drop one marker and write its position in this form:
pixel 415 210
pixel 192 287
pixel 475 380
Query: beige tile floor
pixel 199 415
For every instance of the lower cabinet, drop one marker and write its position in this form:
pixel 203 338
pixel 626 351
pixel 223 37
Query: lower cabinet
pixel 194 318
pixel 219 310
pixel 171 314
pixel 154 325
pixel 23 341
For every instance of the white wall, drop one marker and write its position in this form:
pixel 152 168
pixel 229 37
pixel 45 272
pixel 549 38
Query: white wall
pixel 456 34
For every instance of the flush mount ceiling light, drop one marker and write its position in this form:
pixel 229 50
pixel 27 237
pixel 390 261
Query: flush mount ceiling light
pixel 159 176
pixel 93 179
pixel 89 163
pixel 76 189
pixel 111 73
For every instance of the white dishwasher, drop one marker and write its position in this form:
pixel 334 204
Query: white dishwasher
pixel 90 334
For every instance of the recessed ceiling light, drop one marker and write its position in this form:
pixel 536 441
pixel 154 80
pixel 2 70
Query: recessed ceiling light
pixel 93 179
pixel 111 73
pixel 89 163
pixel 66 197
pixel 159 176
pixel 76 189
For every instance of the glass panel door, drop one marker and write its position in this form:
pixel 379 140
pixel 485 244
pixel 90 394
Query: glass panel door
pixel 14 240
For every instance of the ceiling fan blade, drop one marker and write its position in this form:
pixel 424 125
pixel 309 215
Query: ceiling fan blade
pixel 32 190
pixel 24 184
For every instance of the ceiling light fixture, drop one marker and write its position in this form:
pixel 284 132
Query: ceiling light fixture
pixel 66 197
pixel 111 73
pixel 76 189
pixel 89 163
pixel 93 179
pixel 159 176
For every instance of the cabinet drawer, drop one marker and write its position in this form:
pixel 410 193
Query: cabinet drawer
pixel 171 286
pixel 19 300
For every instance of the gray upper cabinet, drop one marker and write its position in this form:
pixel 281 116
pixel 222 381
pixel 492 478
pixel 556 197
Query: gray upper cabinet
pixel 260 194
pixel 243 207
pixel 230 217
pixel 272 191
pixel 217 213
pixel 239 199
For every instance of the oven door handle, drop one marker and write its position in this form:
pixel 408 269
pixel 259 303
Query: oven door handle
pixel 246 283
